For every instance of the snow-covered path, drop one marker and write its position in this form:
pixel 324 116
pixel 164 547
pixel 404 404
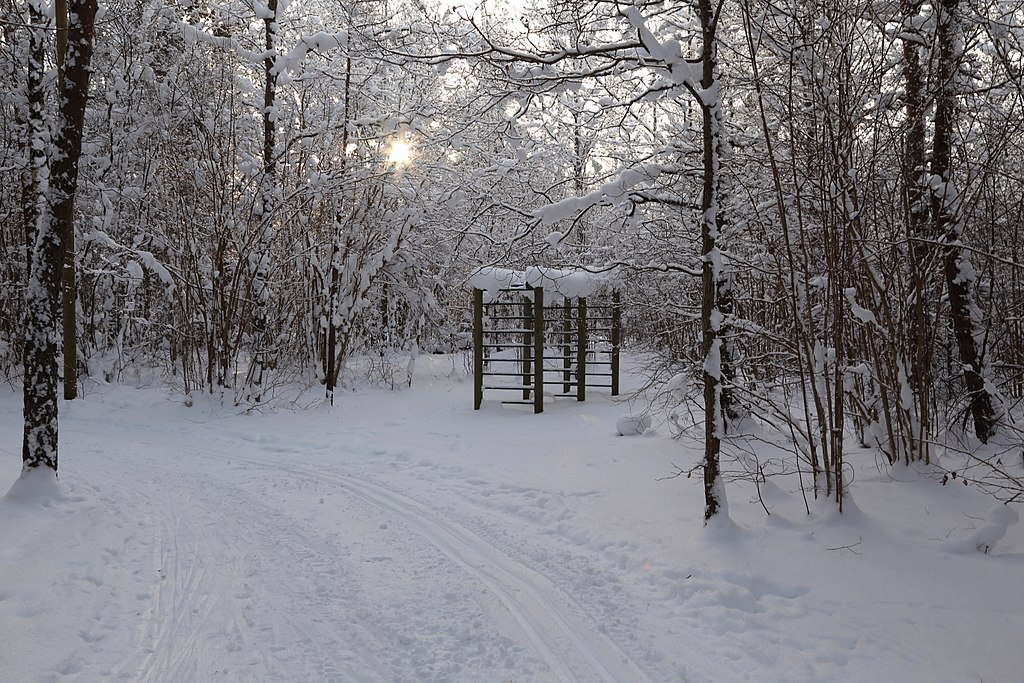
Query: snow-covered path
pixel 301 601
pixel 270 558
pixel 402 537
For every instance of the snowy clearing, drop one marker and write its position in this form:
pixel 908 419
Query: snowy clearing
pixel 401 536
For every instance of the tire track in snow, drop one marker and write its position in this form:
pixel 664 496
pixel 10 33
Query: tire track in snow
pixel 544 613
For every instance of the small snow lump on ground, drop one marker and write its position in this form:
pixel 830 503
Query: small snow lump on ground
pixel 628 425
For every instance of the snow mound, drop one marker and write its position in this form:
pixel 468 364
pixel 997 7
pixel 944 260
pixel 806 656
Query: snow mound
pixel 983 539
pixel 628 425
pixel 38 487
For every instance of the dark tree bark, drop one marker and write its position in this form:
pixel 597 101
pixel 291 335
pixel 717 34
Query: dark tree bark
pixel 726 303
pixel 269 111
pixel 331 368
pixel 39 445
pixel 920 349
pixel 712 316
pixel 945 210
pixel 32 195
pixel 69 285
pixel 265 209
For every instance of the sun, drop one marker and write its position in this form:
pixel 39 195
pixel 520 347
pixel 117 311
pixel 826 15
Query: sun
pixel 400 153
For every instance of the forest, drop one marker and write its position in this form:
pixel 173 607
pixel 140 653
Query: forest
pixel 814 210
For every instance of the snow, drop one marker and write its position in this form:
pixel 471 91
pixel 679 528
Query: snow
pixel 985 537
pixel 403 536
pixel 571 283
pixel 668 53
pixel 859 312
pixel 554 239
pixel 678 386
pixel 315 42
pixel 492 279
pixel 630 425
pixel 609 193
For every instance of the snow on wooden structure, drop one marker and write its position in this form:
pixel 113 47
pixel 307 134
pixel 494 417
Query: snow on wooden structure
pixel 536 328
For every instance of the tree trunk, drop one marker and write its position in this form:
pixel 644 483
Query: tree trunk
pixel 712 316
pixel 331 370
pixel 33 194
pixel 920 345
pixel 39 445
pixel 265 208
pixel 69 288
pixel 959 274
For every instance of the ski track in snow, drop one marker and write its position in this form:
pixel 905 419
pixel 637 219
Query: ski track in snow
pixel 198 618
pixel 552 624
pixel 196 612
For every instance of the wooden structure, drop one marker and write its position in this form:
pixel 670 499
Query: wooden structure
pixel 521 345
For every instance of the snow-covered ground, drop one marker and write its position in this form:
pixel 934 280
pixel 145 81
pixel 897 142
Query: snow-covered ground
pixel 403 537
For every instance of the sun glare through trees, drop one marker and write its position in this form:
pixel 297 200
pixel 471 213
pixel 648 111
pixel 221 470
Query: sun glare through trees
pixel 400 153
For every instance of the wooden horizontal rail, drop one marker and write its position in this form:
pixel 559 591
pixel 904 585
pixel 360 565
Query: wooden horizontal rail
pixel 550 344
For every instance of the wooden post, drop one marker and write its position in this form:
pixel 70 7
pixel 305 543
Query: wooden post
pixel 616 340
pixel 538 350
pixel 478 348
pixel 581 350
pixel 527 345
pixel 566 350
